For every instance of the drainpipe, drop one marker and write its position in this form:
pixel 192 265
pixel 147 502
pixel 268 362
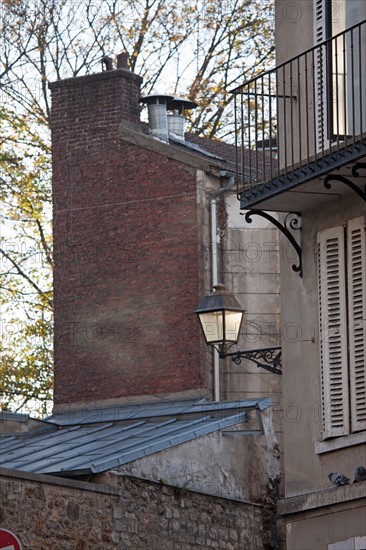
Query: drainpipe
pixel 215 275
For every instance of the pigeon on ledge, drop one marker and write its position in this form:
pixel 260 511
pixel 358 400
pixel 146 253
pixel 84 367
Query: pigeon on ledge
pixel 360 474
pixel 338 479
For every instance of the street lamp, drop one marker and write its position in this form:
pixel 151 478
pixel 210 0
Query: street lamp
pixel 221 317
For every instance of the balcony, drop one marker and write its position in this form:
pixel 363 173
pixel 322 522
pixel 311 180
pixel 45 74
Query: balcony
pixel 301 127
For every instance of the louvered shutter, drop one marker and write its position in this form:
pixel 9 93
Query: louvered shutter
pixel 333 332
pixel 320 75
pixel 356 265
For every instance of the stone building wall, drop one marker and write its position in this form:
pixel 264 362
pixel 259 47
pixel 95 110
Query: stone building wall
pixel 53 513
pixel 165 518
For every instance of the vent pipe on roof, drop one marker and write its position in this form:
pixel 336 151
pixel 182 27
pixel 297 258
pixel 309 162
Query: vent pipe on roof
pixel 161 124
pixel 158 120
pixel 176 119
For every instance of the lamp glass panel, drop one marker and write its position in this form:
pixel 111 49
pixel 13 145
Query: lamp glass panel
pixel 212 324
pixel 232 325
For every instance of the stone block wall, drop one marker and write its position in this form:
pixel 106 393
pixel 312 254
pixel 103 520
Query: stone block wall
pixel 165 518
pixel 53 513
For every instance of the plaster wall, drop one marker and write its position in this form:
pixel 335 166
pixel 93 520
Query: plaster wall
pixel 332 526
pixel 293 28
pixel 247 260
pixel 210 464
pixel 250 269
pixel 251 257
pixel 306 468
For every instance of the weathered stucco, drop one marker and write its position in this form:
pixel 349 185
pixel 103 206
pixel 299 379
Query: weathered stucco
pixel 294 28
pixel 233 463
pixel 317 520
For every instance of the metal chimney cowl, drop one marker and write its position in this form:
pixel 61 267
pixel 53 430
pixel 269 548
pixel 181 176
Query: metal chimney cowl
pixel 161 124
pixel 176 125
pixel 176 119
pixel 158 120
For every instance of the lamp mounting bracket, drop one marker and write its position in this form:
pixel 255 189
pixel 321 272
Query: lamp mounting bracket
pixel 266 358
pixel 292 221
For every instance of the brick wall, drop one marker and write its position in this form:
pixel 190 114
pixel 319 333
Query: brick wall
pixel 126 239
pixel 48 513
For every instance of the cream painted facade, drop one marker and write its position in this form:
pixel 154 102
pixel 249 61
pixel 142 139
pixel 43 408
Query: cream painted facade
pixel 251 272
pixel 308 457
pixel 324 401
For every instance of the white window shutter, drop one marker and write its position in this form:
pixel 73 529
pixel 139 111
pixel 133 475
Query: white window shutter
pixel 333 332
pixel 356 264
pixel 319 21
pixel 320 74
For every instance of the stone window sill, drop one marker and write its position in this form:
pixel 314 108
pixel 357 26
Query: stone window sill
pixel 340 443
pixel 326 497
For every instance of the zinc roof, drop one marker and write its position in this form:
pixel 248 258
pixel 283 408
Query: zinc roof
pixel 96 440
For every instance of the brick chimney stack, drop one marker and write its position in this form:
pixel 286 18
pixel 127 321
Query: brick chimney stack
pixel 127 274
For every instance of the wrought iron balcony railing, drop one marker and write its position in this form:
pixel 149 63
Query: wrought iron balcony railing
pixel 304 118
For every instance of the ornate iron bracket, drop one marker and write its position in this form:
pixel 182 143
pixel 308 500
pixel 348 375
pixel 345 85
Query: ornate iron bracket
pixel 271 357
pixel 347 181
pixel 293 223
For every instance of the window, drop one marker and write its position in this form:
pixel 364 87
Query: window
pixel 342 323
pixel 340 77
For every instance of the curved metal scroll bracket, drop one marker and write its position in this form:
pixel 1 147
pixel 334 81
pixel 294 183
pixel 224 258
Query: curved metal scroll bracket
pixel 292 223
pixel 346 181
pixel 269 359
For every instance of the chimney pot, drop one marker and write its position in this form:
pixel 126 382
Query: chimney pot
pixel 107 63
pixel 122 60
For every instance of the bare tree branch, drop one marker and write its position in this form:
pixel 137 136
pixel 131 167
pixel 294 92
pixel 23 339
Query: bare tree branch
pixel 25 276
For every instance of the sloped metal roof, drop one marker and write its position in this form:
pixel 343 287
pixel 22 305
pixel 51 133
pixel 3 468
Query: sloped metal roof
pixel 194 147
pixel 161 408
pixel 76 444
